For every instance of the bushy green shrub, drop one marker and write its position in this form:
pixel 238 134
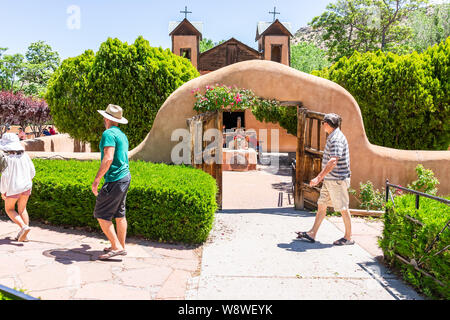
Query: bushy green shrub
pixel 409 240
pixel 137 77
pixel 369 198
pixel 426 181
pixel 167 203
pixel 404 100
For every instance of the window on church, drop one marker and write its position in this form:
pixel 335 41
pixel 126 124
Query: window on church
pixel 276 53
pixel 186 53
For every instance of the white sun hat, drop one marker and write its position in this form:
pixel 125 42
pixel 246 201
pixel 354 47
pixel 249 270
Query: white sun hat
pixel 113 113
pixel 10 142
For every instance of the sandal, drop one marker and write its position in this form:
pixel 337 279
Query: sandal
pixel 343 242
pixel 108 249
pixel 304 236
pixel 111 254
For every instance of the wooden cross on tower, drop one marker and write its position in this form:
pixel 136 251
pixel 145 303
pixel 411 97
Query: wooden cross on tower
pixel 274 12
pixel 185 12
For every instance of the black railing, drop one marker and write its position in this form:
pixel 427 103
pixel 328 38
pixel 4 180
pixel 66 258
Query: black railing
pixel 417 193
pixel 417 264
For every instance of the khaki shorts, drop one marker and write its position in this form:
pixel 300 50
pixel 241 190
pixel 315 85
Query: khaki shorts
pixel 334 193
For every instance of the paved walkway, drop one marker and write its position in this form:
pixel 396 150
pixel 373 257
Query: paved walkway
pixel 250 254
pixel 61 264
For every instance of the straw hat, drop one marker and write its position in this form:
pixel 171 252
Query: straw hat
pixel 10 142
pixel 113 113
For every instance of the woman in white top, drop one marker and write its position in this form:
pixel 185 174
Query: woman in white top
pixel 16 182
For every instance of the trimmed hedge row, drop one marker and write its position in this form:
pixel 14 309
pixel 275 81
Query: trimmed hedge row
pixel 409 240
pixel 164 203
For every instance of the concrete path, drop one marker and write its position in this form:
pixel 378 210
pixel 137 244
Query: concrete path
pixel 61 264
pixel 251 252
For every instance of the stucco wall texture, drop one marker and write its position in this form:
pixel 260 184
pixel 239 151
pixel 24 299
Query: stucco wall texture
pixel 269 79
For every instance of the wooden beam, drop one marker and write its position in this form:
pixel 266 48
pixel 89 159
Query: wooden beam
pixel 300 159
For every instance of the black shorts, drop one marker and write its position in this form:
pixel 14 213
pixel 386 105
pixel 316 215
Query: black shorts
pixel 111 199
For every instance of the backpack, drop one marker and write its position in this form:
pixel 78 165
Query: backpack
pixel 3 162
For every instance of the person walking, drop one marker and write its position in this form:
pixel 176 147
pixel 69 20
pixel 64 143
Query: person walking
pixel 336 181
pixel 16 183
pixel 114 167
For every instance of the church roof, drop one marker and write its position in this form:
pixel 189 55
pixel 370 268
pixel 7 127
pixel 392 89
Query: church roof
pixel 227 42
pixel 196 24
pixel 264 26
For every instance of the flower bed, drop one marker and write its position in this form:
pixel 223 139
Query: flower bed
pixel 164 203
pixel 404 239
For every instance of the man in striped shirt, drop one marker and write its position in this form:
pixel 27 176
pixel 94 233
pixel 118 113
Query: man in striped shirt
pixel 336 181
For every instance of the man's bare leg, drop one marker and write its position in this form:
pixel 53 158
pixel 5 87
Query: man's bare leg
pixel 110 233
pixel 347 223
pixel 320 215
pixel 121 224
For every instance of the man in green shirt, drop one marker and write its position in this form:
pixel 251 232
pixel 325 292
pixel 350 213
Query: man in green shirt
pixel 110 202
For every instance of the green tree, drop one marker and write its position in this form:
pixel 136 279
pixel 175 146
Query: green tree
pixel 137 77
pixel 207 44
pixel 31 73
pixel 307 57
pixel 404 100
pixel 40 64
pixel 429 26
pixel 11 67
pixel 365 25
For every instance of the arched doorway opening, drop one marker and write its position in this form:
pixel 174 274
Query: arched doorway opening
pixel 308 160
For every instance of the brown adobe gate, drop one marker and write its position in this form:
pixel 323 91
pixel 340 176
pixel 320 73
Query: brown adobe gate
pixel 309 153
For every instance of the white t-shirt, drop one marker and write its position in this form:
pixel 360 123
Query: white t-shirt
pixel 18 175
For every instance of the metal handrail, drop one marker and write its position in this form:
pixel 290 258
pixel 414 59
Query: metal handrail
pixel 15 294
pixel 417 193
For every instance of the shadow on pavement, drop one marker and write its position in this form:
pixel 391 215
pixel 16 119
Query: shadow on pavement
pixel 303 246
pixel 69 256
pixel 11 241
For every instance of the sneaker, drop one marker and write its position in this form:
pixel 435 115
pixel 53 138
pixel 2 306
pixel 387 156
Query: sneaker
pixel 22 236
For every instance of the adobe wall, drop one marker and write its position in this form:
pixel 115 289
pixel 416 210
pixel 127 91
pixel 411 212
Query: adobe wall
pixel 186 42
pixel 55 143
pixel 273 80
pixel 281 40
pixel 286 142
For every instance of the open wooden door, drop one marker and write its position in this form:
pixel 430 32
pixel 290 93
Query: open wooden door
pixel 310 139
pixel 206 146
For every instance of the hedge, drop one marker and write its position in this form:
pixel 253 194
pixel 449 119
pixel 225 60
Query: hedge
pixel 164 203
pixel 137 77
pixel 404 100
pixel 409 240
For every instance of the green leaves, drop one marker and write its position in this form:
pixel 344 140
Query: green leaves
pixel 307 57
pixel 137 77
pixel 411 241
pixel 404 100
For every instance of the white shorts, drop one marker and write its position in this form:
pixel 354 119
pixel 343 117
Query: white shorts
pixel 334 193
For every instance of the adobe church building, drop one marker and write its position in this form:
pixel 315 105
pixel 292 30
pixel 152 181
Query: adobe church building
pixel 273 44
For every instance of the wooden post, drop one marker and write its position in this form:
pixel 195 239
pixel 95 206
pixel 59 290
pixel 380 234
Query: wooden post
pixel 300 159
pixel 218 165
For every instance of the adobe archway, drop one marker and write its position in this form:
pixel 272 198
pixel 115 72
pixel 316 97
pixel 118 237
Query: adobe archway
pixel 273 80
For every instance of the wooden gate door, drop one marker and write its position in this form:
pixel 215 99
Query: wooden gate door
pixel 310 139
pixel 206 146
